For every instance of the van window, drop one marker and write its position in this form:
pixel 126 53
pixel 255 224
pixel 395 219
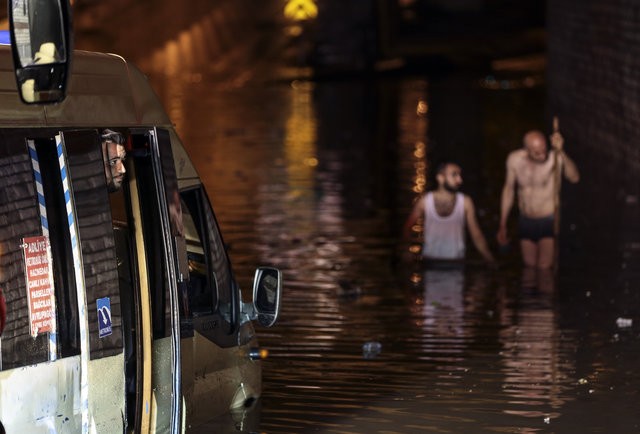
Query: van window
pixel 93 214
pixel 211 287
pixel 61 251
pixel 154 237
pixel 23 214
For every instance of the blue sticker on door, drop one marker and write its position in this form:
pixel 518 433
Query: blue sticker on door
pixel 104 316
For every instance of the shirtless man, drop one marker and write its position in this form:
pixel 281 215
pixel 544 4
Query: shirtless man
pixel 446 212
pixel 531 169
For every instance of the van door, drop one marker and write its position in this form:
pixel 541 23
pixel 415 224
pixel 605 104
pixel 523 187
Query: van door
pixel 216 352
pixel 156 219
pixel 133 222
pixel 104 294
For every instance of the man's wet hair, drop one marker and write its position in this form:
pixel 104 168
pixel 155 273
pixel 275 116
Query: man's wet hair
pixel 112 136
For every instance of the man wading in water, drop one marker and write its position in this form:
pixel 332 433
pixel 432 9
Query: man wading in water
pixel 446 212
pixel 537 178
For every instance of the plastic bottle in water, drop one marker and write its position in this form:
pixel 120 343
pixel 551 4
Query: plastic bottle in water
pixel 371 349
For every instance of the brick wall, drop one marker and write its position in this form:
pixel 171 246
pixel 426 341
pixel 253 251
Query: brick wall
pixel 594 88
pixel 594 78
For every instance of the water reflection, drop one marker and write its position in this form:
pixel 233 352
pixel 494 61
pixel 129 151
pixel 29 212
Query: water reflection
pixel 443 303
pixel 317 180
pixel 534 364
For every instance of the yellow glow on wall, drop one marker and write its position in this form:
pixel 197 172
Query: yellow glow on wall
pixel 300 10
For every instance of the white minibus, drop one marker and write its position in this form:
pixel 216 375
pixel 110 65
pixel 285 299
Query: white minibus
pixel 122 313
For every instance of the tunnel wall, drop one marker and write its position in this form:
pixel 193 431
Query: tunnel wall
pixel 594 88
pixel 594 77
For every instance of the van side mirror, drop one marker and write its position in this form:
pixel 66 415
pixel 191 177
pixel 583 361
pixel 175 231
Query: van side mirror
pixel 267 288
pixel 41 48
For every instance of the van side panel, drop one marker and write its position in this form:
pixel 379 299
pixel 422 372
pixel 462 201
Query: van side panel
pixel 106 398
pixel 42 398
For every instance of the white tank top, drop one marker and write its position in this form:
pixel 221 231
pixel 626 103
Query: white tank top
pixel 444 236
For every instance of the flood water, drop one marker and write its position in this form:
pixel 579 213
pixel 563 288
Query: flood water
pixel 317 179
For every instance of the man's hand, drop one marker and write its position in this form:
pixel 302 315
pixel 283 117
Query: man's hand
pixel 502 238
pixel 557 141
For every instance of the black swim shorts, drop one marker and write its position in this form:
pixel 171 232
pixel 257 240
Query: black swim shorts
pixel 535 229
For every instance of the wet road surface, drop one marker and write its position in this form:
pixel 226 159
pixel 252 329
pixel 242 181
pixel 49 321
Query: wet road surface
pixel 317 178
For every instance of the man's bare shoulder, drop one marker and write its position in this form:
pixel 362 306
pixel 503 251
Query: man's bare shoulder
pixel 516 157
pixel 420 201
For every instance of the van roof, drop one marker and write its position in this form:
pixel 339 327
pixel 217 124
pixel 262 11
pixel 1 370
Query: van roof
pixel 103 89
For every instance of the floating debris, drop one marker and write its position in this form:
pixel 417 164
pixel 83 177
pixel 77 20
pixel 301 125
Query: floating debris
pixel 371 349
pixel 624 322
pixel 348 288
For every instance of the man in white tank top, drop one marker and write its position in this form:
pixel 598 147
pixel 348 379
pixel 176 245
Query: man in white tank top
pixel 445 213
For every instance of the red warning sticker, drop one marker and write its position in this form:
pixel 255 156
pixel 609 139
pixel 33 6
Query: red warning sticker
pixel 39 284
